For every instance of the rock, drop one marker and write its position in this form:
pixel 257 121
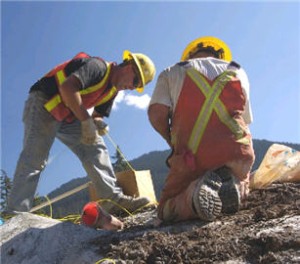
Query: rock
pixel 28 238
pixel 265 230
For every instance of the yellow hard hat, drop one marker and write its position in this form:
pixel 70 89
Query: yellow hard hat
pixel 145 66
pixel 205 43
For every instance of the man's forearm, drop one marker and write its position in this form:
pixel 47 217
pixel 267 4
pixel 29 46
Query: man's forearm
pixel 69 91
pixel 159 119
pixel 164 131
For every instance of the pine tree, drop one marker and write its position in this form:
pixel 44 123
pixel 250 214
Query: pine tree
pixel 121 164
pixel 5 185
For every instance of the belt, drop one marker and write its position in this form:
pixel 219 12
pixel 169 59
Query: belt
pixel 40 94
pixel 40 88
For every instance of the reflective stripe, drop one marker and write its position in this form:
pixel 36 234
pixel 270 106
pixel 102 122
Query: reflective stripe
pixel 212 103
pixel 60 76
pixel 106 98
pixel 98 85
pixel 53 102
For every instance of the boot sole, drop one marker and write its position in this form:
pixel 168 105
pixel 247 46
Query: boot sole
pixel 229 193
pixel 207 202
pixel 230 197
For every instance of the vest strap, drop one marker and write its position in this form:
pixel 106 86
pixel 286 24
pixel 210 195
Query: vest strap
pixel 212 104
pixel 60 77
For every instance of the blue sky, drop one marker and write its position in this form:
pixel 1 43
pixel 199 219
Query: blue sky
pixel 264 38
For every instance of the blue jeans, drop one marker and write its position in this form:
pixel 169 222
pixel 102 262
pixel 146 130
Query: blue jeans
pixel 40 131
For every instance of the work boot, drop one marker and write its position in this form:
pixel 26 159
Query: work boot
pixel 127 202
pixel 229 193
pixel 206 200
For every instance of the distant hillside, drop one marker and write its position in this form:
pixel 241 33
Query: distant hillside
pixel 153 161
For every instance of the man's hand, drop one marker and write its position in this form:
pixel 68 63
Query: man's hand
pixel 88 131
pixel 69 91
pixel 102 127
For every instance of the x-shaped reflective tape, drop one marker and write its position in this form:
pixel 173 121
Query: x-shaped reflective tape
pixel 212 103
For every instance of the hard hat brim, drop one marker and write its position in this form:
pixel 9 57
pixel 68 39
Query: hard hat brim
pixel 127 55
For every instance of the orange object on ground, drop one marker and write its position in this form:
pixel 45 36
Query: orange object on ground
pixel 280 164
pixel 90 214
pixel 93 215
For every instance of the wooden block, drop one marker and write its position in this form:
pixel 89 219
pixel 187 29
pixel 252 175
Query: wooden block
pixel 137 183
pixel 134 183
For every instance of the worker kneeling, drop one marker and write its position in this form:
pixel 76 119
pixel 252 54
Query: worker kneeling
pixel 201 107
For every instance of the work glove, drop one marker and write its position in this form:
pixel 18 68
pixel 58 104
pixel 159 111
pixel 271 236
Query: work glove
pixel 88 131
pixel 102 127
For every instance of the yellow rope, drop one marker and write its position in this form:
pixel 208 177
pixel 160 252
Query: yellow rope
pixel 50 205
pixel 146 205
pixel 76 219
pixel 116 204
pixel 118 149
pixel 101 260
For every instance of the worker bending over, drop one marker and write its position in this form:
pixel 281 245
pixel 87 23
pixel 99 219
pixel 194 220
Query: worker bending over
pixel 57 108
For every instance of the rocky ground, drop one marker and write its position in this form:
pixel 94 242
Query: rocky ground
pixel 265 230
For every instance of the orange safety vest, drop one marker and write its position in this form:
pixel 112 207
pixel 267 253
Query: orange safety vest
pixel 91 96
pixel 207 123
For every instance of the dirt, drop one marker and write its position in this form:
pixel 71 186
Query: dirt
pixel 265 230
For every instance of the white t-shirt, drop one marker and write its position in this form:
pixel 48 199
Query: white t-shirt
pixel 170 81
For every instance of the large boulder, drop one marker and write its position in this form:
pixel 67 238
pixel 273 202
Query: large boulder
pixel 28 238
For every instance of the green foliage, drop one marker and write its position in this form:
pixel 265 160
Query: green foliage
pixel 120 164
pixel 5 185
